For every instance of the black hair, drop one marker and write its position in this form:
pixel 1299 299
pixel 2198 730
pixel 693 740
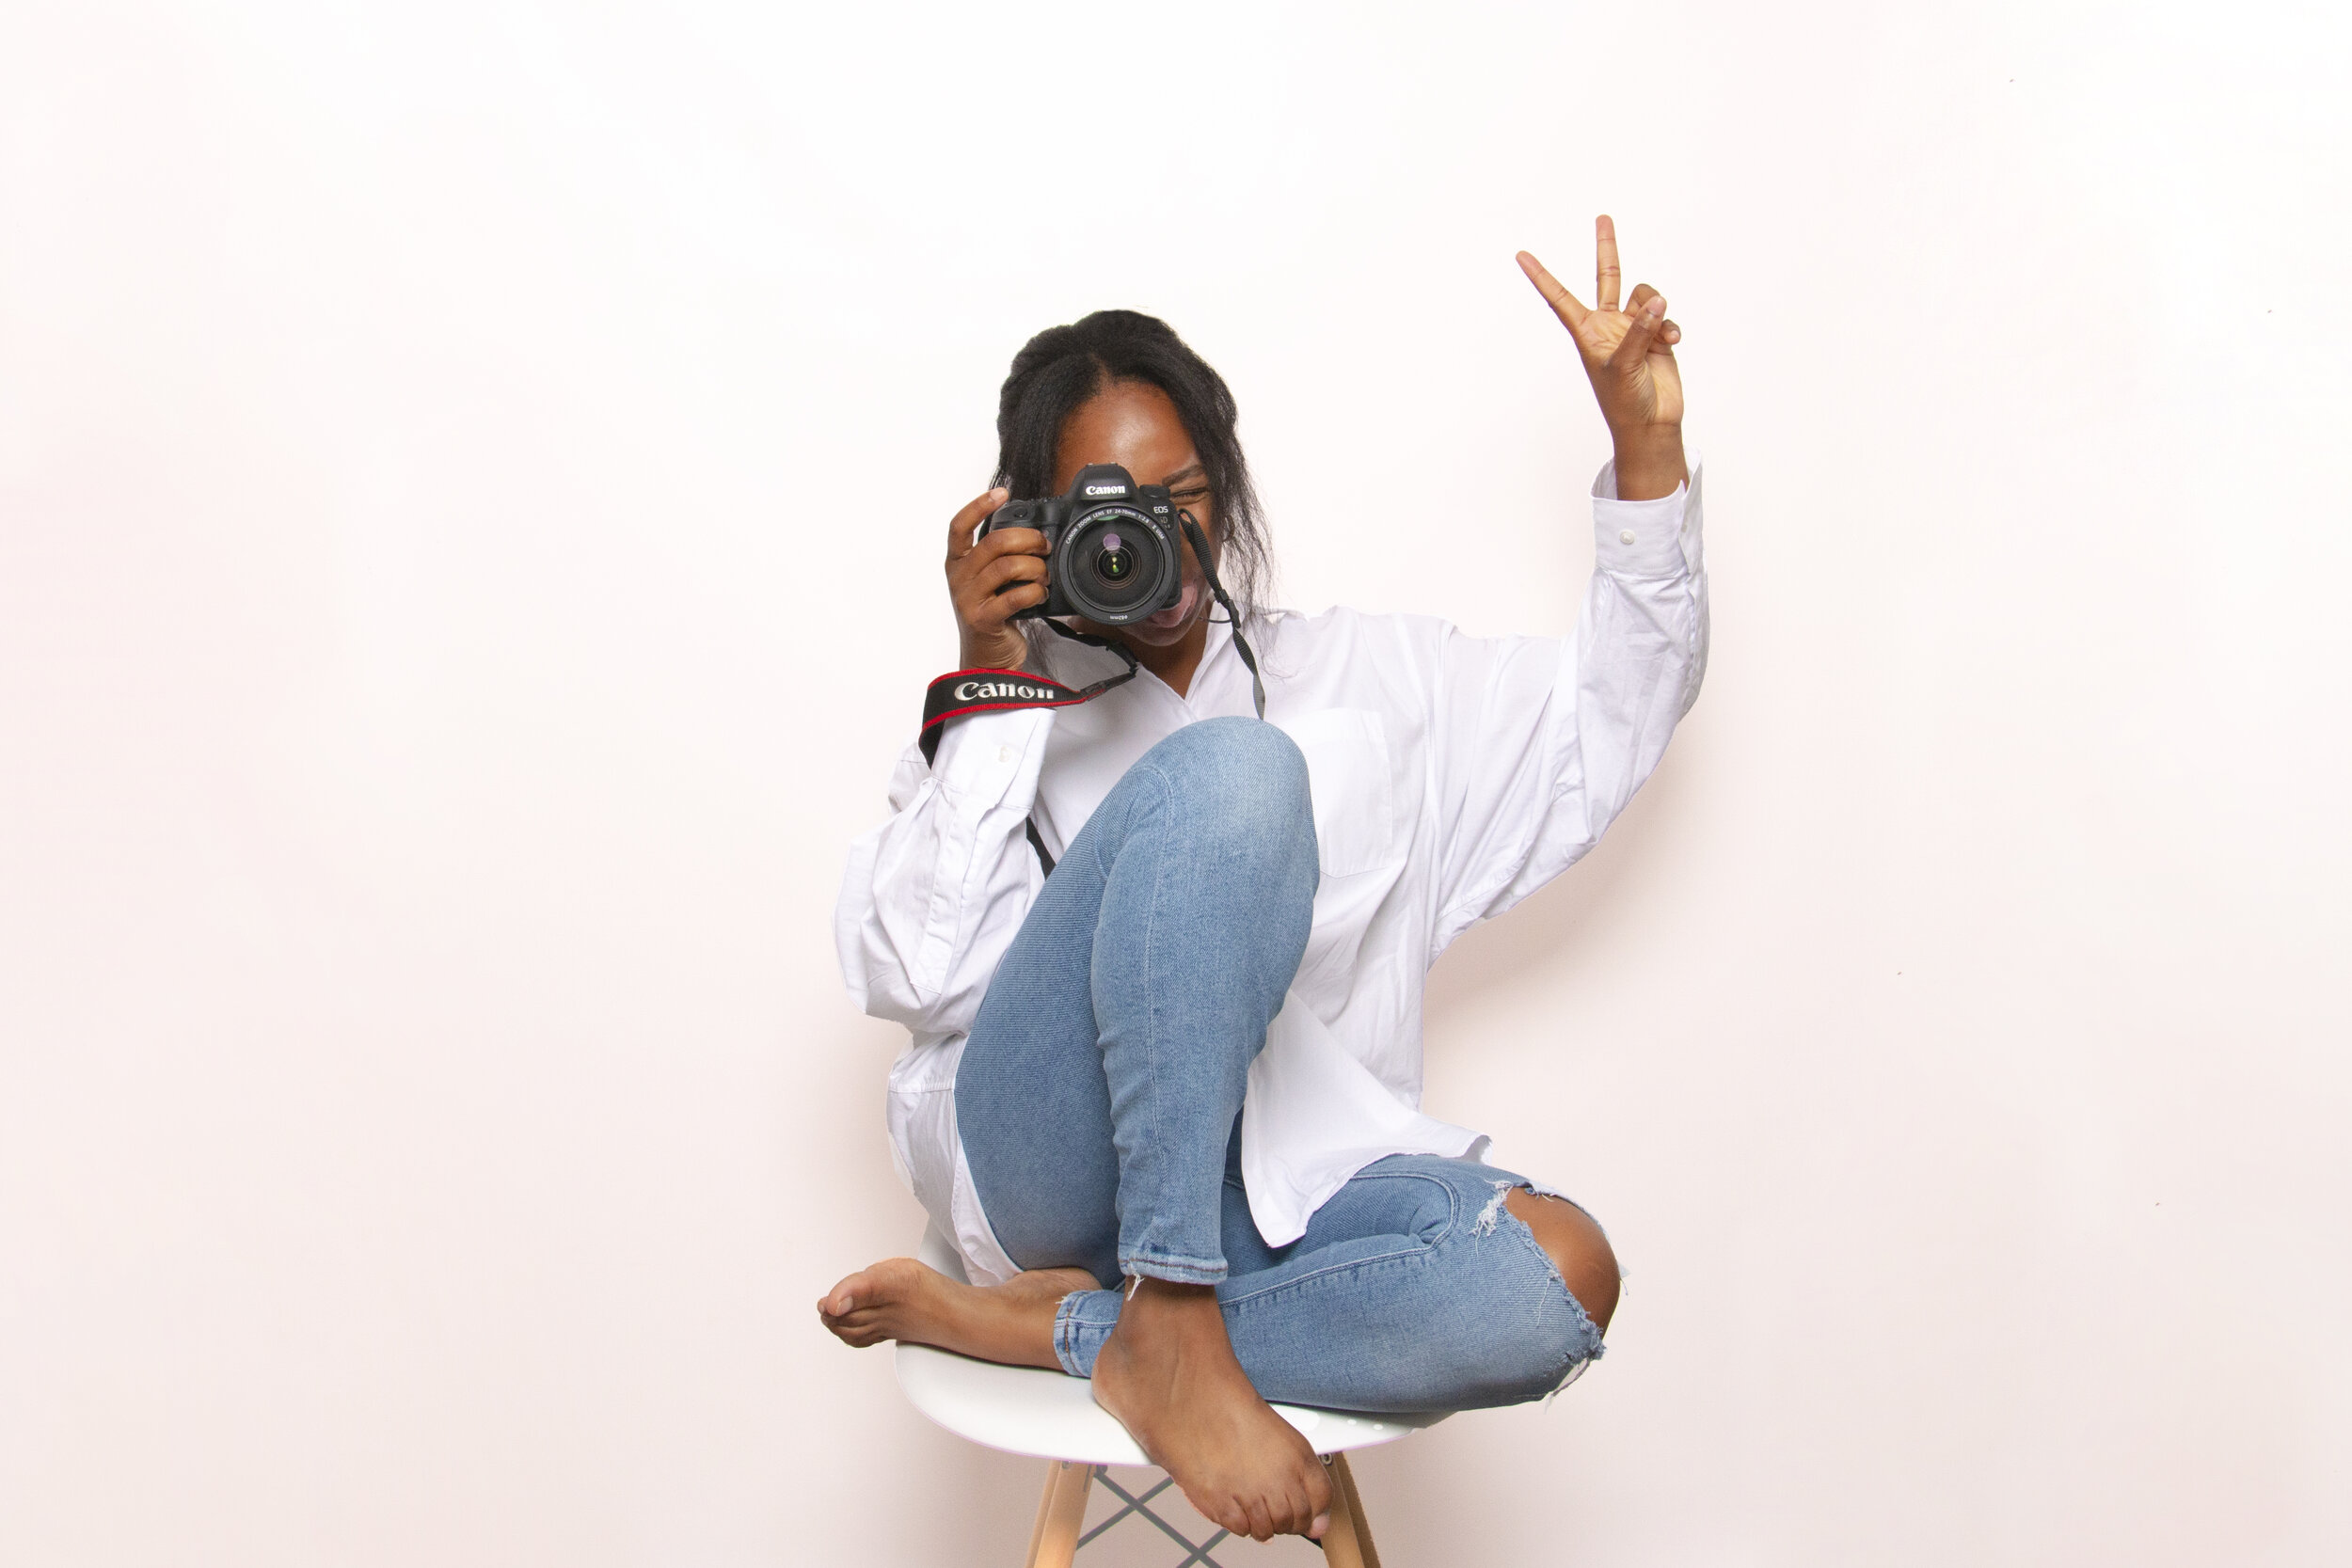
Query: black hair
pixel 1059 369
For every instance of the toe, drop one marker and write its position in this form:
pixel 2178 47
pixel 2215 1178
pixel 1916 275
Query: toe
pixel 842 1297
pixel 1305 1511
pixel 1290 1511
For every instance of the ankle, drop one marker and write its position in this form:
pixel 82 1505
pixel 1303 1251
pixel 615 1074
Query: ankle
pixel 1166 1292
pixel 1152 1301
pixel 1159 1316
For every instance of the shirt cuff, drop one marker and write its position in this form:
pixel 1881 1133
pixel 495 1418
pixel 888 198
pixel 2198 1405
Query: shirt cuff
pixel 985 758
pixel 1642 539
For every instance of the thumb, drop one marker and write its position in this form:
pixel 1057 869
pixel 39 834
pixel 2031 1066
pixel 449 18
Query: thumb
pixel 1641 337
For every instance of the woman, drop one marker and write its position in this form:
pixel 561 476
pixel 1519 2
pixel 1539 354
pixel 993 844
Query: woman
pixel 1164 960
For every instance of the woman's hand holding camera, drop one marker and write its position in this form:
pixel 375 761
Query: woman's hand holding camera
pixel 992 581
pixel 1629 357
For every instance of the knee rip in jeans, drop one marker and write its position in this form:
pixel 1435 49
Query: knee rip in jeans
pixel 1491 1215
pixel 1597 1300
pixel 1565 1345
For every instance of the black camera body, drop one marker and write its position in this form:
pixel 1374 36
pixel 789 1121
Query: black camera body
pixel 1111 550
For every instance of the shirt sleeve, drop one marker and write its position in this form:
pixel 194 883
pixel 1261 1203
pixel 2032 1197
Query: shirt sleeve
pixel 934 896
pixel 1540 743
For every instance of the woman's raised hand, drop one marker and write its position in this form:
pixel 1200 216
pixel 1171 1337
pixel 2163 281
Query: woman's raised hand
pixel 992 581
pixel 1629 357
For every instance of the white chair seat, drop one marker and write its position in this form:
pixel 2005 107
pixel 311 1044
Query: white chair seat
pixel 1027 1410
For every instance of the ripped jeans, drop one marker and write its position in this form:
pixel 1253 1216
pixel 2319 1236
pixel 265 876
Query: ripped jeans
pixel 1099 1100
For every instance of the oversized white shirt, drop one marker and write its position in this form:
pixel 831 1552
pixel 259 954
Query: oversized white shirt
pixel 1451 776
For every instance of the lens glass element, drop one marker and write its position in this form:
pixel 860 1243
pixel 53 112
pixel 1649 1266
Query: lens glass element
pixel 1117 568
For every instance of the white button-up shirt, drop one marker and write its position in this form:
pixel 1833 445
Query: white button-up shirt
pixel 1451 776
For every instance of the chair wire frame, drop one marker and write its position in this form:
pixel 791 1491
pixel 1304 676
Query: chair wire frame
pixel 1198 1550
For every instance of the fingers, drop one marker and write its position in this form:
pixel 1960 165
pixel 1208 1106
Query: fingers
pixel 974 512
pixel 989 616
pixel 994 582
pixel 1605 272
pixel 975 578
pixel 1564 304
pixel 1003 572
pixel 1668 334
pixel 1640 338
pixel 1012 601
pixel 1003 540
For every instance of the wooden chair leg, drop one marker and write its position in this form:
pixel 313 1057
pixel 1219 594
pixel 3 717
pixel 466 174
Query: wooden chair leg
pixel 1060 1515
pixel 1348 1540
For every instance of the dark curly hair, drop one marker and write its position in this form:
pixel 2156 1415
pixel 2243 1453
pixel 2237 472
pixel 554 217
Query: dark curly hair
pixel 1059 369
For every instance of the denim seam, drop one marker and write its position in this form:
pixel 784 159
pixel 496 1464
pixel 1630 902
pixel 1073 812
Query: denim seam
pixel 1327 1271
pixel 1150 1012
pixel 1066 1333
pixel 1365 1271
pixel 1175 1268
pixel 1453 1217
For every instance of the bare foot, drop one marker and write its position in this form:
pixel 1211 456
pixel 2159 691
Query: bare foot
pixel 1169 1373
pixel 902 1299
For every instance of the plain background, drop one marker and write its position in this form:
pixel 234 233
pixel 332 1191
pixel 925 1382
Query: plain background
pixel 472 481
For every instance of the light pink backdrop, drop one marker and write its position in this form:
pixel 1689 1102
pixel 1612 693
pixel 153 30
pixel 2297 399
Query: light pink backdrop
pixel 471 480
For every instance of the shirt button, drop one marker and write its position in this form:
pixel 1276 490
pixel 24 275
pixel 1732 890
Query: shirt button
pixel 1626 537
pixel 1004 753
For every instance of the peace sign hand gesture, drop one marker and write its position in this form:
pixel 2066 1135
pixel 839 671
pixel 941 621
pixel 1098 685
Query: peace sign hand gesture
pixel 1629 357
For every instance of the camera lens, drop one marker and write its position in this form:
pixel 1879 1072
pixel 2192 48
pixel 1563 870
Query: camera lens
pixel 1114 562
pixel 1117 567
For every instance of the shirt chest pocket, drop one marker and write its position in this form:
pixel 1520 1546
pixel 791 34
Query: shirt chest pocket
pixel 1354 798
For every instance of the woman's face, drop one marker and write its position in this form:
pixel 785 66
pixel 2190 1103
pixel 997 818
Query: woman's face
pixel 1134 424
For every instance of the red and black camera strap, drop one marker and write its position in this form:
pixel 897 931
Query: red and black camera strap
pixel 967 692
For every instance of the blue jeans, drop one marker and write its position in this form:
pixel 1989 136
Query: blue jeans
pixel 1099 1100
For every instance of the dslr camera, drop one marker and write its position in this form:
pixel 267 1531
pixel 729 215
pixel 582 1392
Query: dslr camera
pixel 1111 553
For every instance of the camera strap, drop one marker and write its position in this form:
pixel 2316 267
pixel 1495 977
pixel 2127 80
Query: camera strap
pixel 962 691
pixel 1225 602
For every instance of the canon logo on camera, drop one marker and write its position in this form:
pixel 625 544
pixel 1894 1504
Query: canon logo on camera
pixel 1106 489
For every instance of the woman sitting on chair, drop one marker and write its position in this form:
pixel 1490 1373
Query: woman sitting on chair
pixel 1164 960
